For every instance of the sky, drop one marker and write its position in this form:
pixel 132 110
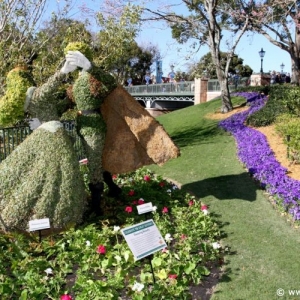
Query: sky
pixel 175 54
pixel 248 49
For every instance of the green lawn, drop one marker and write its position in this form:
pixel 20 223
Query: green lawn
pixel 264 248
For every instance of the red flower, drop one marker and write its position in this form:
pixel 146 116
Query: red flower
pixel 128 209
pixel 114 176
pixel 203 207
pixel 134 202
pixel 131 193
pixel 161 184
pixel 173 276
pixel 183 236
pixel 165 210
pixel 147 178
pixel 191 202
pixel 65 297
pixel 101 249
pixel 141 201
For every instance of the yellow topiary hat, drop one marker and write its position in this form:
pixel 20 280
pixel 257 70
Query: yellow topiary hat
pixel 81 47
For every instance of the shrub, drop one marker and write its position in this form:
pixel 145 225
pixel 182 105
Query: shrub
pixel 288 125
pixel 12 103
pixel 274 107
pixel 291 100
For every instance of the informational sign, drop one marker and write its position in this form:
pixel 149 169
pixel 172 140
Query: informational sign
pixel 144 208
pixel 39 224
pixel 143 239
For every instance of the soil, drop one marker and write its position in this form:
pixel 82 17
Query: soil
pixel 275 141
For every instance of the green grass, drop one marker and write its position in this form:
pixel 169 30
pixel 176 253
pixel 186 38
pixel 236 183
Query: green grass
pixel 264 248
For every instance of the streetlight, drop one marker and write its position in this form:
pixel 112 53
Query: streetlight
pixel 171 76
pixel 282 67
pixel 261 54
pixel 159 71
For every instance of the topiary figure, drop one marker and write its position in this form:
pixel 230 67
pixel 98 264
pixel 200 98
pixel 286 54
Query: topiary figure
pixel 89 90
pixel 40 179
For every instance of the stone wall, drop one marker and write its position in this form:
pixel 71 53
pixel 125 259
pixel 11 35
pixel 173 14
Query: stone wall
pixel 260 79
pixel 200 90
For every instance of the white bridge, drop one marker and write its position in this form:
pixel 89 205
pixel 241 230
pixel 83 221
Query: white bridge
pixel 173 96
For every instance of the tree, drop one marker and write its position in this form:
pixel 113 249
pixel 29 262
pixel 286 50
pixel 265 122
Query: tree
pixel 116 35
pixel 206 65
pixel 51 53
pixel 20 21
pixel 205 24
pixel 278 21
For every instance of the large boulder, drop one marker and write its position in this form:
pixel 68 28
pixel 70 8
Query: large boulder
pixel 41 179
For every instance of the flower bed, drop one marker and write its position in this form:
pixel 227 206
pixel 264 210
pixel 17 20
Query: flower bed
pixel 254 152
pixel 94 261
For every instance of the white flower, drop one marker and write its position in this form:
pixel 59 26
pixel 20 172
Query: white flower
pixel 175 187
pixel 205 211
pixel 216 245
pixel 168 237
pixel 88 243
pixel 130 179
pixel 154 208
pixel 169 191
pixel 49 271
pixel 116 228
pixel 137 286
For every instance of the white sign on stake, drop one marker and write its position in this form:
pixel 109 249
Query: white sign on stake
pixel 39 224
pixel 143 239
pixel 144 208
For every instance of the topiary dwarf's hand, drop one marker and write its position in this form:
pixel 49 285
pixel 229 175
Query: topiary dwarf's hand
pixel 75 59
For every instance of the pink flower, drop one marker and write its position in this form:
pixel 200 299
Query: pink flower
pixel 161 184
pixel 191 202
pixel 101 249
pixel 84 161
pixel 141 201
pixel 173 276
pixel 164 250
pixel 131 193
pixel 183 236
pixel 147 178
pixel 65 297
pixel 114 176
pixel 128 209
pixel 165 210
pixel 203 207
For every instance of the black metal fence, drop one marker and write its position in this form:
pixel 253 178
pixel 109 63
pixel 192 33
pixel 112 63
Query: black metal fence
pixel 11 137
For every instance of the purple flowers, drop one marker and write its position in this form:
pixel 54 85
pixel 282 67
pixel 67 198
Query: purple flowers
pixel 255 153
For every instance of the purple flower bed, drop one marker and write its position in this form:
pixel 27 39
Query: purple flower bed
pixel 255 153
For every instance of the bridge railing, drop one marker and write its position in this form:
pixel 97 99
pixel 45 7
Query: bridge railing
pixel 186 87
pixel 214 85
